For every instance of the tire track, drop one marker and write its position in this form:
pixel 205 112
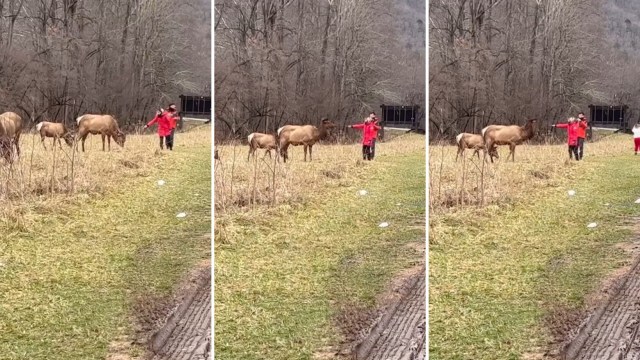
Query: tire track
pixel 400 332
pixel 186 335
pixel 613 330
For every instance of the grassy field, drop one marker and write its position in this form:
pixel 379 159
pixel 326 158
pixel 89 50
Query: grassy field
pixel 293 276
pixel 509 279
pixel 85 263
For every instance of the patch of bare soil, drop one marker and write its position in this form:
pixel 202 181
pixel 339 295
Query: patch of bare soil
pixel 609 329
pixel 186 334
pixel 169 327
pixel 395 329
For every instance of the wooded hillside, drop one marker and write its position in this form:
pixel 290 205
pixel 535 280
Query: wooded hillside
pixel 291 62
pixel 498 61
pixel 62 58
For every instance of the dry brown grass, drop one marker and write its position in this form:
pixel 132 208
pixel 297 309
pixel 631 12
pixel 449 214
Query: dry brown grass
pixel 45 181
pixel 242 185
pixel 510 278
pixel 288 276
pixel 453 184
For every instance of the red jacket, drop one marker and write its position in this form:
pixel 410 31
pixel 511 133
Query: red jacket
pixel 165 123
pixel 375 129
pixel 582 128
pixel 370 131
pixel 173 116
pixel 572 132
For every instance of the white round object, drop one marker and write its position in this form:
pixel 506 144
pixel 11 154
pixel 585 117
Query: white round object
pixel 383 225
pixel 571 192
pixel 638 201
pixel 592 225
pixel 362 192
pixel 181 215
pixel 161 182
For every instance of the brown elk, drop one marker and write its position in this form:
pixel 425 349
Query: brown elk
pixel 55 131
pixel 261 141
pixel 472 141
pixel 306 135
pixel 511 135
pixel 11 127
pixel 105 125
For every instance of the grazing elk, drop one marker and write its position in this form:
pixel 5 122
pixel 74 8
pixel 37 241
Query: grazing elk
pixel 261 141
pixel 55 131
pixel 472 141
pixel 11 128
pixel 511 135
pixel 306 135
pixel 105 125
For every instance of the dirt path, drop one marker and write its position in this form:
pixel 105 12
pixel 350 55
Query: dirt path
pixel 612 330
pixel 187 332
pixel 399 332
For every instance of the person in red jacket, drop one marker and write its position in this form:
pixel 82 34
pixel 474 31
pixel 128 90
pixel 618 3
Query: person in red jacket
pixel 166 124
pixel 173 120
pixel 582 134
pixel 572 136
pixel 374 121
pixel 368 132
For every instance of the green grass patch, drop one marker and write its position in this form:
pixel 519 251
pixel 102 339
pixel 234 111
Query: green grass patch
pixel 73 282
pixel 497 274
pixel 282 275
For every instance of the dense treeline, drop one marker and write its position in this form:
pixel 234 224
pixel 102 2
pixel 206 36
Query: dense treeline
pixel 62 58
pixel 296 61
pixel 498 61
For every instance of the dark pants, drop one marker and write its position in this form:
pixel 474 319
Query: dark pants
pixel 573 150
pixel 580 148
pixel 366 152
pixel 373 149
pixel 168 140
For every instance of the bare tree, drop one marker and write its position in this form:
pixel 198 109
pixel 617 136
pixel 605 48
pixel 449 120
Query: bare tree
pixel 295 61
pixel 63 58
pixel 494 61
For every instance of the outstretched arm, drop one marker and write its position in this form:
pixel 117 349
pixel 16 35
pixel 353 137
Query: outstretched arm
pixel 357 126
pixel 565 125
pixel 153 121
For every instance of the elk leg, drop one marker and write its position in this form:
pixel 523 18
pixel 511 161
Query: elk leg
pixel 310 152
pixel 17 140
pixel 83 139
pixel 305 152
pixel 42 141
pixel 487 151
pixel 284 151
pixel 60 143
pixel 108 142
pixel 512 148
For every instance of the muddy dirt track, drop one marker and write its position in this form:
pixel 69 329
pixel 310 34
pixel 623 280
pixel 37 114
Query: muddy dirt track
pixel 187 333
pixel 399 333
pixel 612 330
